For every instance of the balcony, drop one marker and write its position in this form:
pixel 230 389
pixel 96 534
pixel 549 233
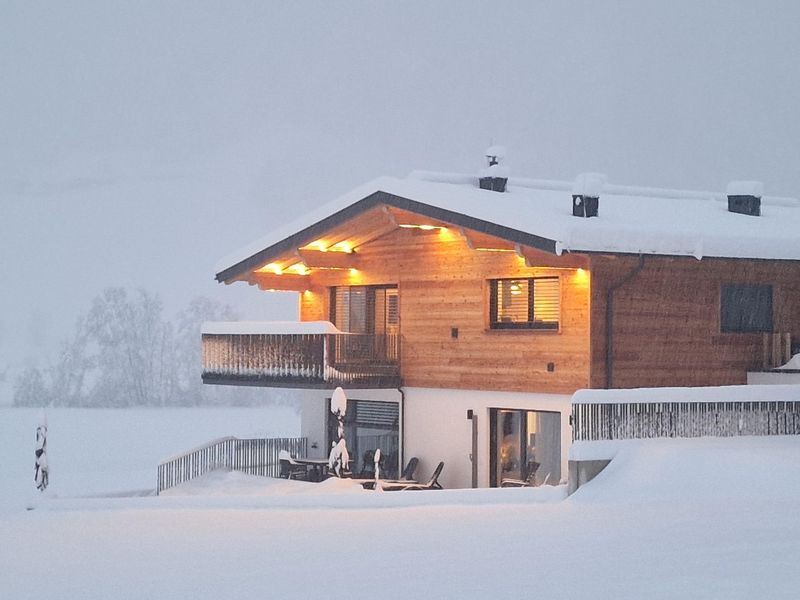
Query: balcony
pixel 298 355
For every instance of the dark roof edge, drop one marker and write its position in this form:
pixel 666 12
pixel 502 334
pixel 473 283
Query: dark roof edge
pixel 315 231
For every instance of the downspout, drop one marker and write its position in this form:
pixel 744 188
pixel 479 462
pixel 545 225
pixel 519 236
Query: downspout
pixel 610 320
pixel 402 433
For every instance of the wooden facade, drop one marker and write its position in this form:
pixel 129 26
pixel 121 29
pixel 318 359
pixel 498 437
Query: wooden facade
pixel 666 319
pixel 664 311
pixel 443 285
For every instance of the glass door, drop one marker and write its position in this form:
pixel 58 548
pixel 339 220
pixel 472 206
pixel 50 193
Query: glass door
pixel 525 447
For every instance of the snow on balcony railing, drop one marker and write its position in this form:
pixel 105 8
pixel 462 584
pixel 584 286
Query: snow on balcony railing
pixel 685 412
pixel 307 354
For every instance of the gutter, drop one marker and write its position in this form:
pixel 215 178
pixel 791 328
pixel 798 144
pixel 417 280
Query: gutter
pixel 610 320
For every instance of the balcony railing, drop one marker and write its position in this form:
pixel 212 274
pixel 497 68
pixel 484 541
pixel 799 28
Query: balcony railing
pixel 314 360
pixel 685 412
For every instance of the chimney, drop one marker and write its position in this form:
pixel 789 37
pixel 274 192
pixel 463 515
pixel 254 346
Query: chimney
pixel 494 177
pixel 744 197
pixel 586 194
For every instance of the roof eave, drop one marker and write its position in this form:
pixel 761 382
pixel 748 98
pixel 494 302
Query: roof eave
pixel 304 236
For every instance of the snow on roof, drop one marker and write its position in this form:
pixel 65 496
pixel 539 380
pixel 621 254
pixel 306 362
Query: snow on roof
pixel 745 188
pixel 792 365
pixel 631 220
pixel 267 327
pixel 728 393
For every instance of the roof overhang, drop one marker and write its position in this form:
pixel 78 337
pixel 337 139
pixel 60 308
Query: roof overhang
pixel 293 243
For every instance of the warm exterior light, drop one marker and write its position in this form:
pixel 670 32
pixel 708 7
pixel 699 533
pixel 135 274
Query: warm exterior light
pixel 271 268
pixel 494 249
pixel 341 247
pixel 297 268
pixel 581 276
pixel 422 227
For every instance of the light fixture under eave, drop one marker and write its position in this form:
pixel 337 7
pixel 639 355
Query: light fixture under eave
pixel 341 247
pixel 297 268
pixel 495 249
pixel 422 227
pixel 271 268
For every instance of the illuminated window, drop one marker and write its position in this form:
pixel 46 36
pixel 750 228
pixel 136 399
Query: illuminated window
pixel 745 308
pixel 533 303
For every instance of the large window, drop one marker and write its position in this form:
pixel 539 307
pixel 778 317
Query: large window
pixel 525 446
pixel 533 303
pixel 745 308
pixel 374 313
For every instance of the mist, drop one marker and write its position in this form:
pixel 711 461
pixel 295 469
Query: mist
pixel 144 141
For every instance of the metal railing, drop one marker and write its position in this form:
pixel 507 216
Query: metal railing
pixel 303 360
pixel 257 456
pixel 637 420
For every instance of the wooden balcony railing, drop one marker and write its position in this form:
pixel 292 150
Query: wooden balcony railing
pixel 320 360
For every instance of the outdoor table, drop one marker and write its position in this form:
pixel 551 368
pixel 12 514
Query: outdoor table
pixel 319 466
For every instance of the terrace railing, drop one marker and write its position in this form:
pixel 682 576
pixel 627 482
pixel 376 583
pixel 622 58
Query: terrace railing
pixel 323 360
pixel 258 456
pixel 636 420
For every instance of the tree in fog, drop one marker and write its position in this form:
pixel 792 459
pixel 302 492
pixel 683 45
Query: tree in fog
pixel 31 389
pixel 125 353
pixel 188 351
pixel 134 350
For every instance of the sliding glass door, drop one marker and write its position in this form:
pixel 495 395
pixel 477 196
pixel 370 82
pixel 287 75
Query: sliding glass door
pixel 371 311
pixel 525 446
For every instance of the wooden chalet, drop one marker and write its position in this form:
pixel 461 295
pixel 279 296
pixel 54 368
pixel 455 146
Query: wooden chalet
pixel 440 297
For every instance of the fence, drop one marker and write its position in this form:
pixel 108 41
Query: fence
pixel 253 456
pixel 634 420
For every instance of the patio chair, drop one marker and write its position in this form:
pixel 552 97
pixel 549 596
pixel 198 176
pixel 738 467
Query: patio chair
pixel 433 483
pixel 408 472
pixel 289 468
pixel 368 466
pixel 533 466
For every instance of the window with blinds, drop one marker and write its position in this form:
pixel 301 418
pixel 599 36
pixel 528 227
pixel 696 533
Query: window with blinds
pixel 365 309
pixel 531 303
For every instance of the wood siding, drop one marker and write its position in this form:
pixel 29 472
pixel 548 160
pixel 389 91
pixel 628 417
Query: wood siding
pixel 443 284
pixel 667 319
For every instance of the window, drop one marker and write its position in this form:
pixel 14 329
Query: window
pixel 369 425
pixel 525 445
pixel 533 303
pixel 745 308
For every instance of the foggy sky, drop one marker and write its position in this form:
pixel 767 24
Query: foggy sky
pixel 142 142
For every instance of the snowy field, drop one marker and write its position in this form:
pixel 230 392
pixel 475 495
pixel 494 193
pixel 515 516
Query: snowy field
pixel 679 519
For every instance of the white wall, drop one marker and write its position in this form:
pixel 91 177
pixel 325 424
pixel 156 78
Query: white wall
pixel 435 426
pixel 772 378
pixel 437 429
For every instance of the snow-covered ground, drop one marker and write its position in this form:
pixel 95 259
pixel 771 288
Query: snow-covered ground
pixel 701 518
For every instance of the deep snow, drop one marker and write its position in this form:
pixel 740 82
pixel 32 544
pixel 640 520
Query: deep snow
pixel 700 518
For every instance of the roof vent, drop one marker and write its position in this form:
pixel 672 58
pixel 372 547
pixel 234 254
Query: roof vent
pixel 586 194
pixel 494 177
pixel 744 197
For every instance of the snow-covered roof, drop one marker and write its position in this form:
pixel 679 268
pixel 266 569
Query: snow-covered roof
pixel 728 393
pixel 267 327
pixel 631 220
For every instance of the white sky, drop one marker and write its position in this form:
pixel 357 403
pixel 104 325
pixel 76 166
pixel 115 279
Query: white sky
pixel 141 142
